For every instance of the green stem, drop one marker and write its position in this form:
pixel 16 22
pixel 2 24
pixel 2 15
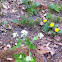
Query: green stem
pixel 29 52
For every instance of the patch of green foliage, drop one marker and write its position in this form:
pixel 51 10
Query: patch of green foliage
pixel 51 30
pixel 29 22
pixel 55 19
pixel 31 7
pixel 55 7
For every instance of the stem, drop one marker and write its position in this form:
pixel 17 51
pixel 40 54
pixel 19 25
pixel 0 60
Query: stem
pixel 29 52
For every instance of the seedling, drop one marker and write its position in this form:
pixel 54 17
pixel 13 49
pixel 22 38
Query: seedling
pixel 22 57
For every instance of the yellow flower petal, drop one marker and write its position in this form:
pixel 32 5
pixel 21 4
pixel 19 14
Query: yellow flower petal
pixel 44 21
pixel 52 25
pixel 56 29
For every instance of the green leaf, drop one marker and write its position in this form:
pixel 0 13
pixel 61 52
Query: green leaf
pixel 13 48
pixel 29 44
pixel 48 16
pixel 35 38
pixel 32 46
pixel 60 31
pixel 54 7
pixel 18 43
pixel 56 26
pixel 17 59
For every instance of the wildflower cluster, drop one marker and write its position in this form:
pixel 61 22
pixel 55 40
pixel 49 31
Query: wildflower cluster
pixel 51 28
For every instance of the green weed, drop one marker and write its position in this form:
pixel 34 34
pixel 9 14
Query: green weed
pixel 55 7
pixel 22 57
pixel 31 7
pixel 55 19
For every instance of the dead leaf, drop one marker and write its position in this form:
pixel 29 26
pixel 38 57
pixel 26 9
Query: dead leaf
pixel 41 23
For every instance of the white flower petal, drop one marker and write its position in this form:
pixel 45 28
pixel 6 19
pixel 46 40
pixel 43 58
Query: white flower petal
pixel 28 58
pixel 15 35
pixel 20 56
pixel 24 33
pixel 40 35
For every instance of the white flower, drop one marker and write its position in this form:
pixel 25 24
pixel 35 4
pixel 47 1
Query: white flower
pixel 40 35
pixel 24 33
pixel 8 45
pixel 28 58
pixel 20 56
pixel 15 34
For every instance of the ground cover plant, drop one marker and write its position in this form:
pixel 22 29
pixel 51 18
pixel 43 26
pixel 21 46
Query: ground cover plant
pixel 55 7
pixel 53 19
pixel 31 7
pixel 51 28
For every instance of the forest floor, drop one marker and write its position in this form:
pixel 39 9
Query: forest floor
pixel 13 11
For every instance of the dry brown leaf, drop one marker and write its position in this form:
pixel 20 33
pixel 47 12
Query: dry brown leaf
pixel 41 23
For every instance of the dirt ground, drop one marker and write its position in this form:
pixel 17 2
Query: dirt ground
pixel 41 53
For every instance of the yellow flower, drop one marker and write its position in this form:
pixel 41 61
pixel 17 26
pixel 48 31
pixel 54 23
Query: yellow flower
pixel 56 29
pixel 44 21
pixel 52 24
